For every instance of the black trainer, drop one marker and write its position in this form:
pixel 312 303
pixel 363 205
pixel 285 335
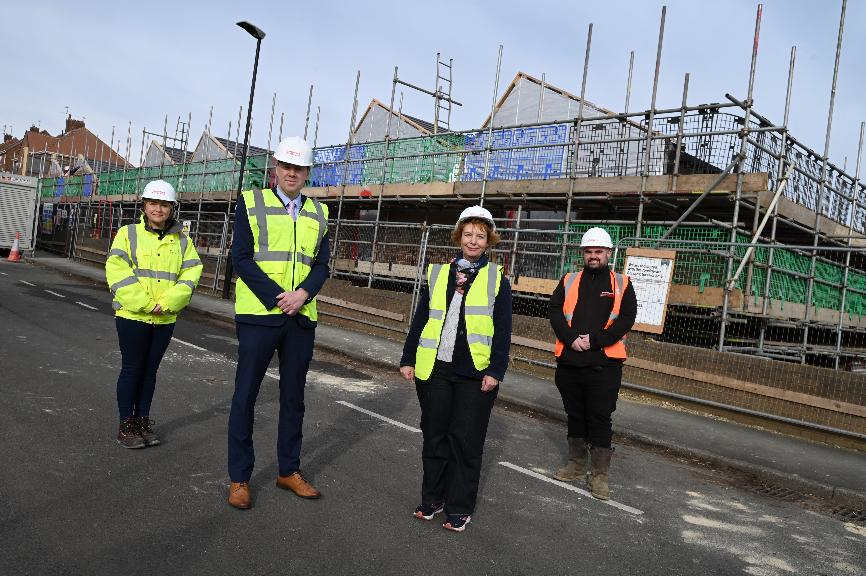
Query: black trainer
pixel 145 430
pixel 127 434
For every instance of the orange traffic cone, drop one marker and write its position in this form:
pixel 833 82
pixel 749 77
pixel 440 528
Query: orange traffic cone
pixel 15 252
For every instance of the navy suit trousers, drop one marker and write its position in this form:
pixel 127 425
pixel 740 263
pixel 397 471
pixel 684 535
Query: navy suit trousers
pixel 293 342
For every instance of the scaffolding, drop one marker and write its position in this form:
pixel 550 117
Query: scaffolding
pixel 769 233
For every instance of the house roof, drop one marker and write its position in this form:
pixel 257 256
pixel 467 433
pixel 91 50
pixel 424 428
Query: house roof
pixel 547 87
pixel 176 155
pixel 231 146
pixel 72 143
pixel 421 125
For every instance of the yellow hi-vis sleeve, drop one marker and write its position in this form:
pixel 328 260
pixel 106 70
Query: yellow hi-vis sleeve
pixel 177 297
pixel 128 292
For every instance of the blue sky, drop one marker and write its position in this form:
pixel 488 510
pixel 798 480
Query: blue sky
pixel 113 63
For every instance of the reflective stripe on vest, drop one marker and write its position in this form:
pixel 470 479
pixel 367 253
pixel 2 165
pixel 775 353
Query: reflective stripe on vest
pixel 285 249
pixel 571 286
pixel 132 258
pixel 477 314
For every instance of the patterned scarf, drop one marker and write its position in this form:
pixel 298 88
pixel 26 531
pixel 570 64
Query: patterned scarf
pixel 465 270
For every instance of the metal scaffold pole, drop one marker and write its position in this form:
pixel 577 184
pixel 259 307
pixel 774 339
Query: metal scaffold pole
pixel 855 186
pixel 744 137
pixel 819 203
pixel 783 154
pixel 348 150
pixel 309 105
pixel 649 128
pixel 384 178
pixel 490 128
pixel 578 122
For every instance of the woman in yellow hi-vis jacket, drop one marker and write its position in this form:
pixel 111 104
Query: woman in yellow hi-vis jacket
pixel 457 353
pixel 152 270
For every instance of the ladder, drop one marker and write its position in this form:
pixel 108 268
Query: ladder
pixel 442 97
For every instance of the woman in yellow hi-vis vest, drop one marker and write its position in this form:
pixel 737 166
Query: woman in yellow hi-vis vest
pixel 457 354
pixel 152 270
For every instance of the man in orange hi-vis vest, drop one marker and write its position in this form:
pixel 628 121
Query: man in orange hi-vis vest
pixel 591 311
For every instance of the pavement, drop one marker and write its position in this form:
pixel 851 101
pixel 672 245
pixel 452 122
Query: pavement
pixel 828 472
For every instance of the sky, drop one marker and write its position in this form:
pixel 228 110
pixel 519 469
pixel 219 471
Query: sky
pixel 113 64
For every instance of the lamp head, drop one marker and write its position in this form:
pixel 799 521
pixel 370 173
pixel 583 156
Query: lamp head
pixel 252 29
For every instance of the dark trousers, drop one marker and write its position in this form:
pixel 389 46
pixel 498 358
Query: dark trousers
pixel 142 346
pixel 454 417
pixel 589 396
pixel 256 345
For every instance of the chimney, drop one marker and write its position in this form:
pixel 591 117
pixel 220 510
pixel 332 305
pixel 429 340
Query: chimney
pixel 72 124
pixel 7 137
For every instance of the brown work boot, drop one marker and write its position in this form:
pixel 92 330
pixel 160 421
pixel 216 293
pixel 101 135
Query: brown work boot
pixel 600 458
pixel 145 429
pixel 239 495
pixel 575 468
pixel 297 484
pixel 127 434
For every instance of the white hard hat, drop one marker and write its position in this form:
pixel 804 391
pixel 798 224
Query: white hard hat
pixel 477 212
pixel 159 190
pixel 294 150
pixel 596 238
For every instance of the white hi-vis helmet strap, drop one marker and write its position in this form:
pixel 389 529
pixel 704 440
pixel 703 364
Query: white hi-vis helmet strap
pixel 159 190
pixel 294 150
pixel 596 238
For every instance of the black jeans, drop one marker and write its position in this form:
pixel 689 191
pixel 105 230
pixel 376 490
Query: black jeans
pixel 142 346
pixel 454 417
pixel 589 397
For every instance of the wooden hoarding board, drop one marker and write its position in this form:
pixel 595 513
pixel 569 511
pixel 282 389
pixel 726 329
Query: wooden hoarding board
pixel 651 273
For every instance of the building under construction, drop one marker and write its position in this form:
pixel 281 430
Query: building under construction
pixel 768 233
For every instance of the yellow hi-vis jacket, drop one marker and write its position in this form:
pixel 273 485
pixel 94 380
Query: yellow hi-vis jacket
pixel 283 248
pixel 477 313
pixel 143 271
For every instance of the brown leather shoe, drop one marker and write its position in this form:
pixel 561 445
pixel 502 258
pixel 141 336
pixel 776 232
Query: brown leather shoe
pixel 297 484
pixel 239 495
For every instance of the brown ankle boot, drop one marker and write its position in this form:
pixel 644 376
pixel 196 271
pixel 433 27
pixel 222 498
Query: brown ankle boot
pixel 600 458
pixel 575 467
pixel 127 434
pixel 145 429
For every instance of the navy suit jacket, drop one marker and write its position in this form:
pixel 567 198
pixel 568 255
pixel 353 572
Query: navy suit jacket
pixel 265 289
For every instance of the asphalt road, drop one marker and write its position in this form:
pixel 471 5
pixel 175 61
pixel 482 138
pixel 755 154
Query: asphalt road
pixel 74 503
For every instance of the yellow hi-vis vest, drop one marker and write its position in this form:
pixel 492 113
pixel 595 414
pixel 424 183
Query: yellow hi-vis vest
pixel 477 312
pixel 283 248
pixel 143 271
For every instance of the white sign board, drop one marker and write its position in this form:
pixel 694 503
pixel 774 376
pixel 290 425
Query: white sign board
pixel 651 273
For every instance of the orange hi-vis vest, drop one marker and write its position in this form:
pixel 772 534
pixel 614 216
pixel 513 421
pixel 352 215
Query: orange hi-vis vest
pixel 618 284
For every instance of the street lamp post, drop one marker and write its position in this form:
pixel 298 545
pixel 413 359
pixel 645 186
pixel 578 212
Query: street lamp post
pixel 258 34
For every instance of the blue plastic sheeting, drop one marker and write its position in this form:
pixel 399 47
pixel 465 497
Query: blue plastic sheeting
pixel 329 166
pixel 58 189
pixel 87 187
pixel 523 164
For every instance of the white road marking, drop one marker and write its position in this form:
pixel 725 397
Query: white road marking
pixel 189 344
pixel 380 417
pixel 26 282
pixel 270 373
pixel 228 339
pixel 567 486
pixel 4 273
pixel 56 294
pixel 86 305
